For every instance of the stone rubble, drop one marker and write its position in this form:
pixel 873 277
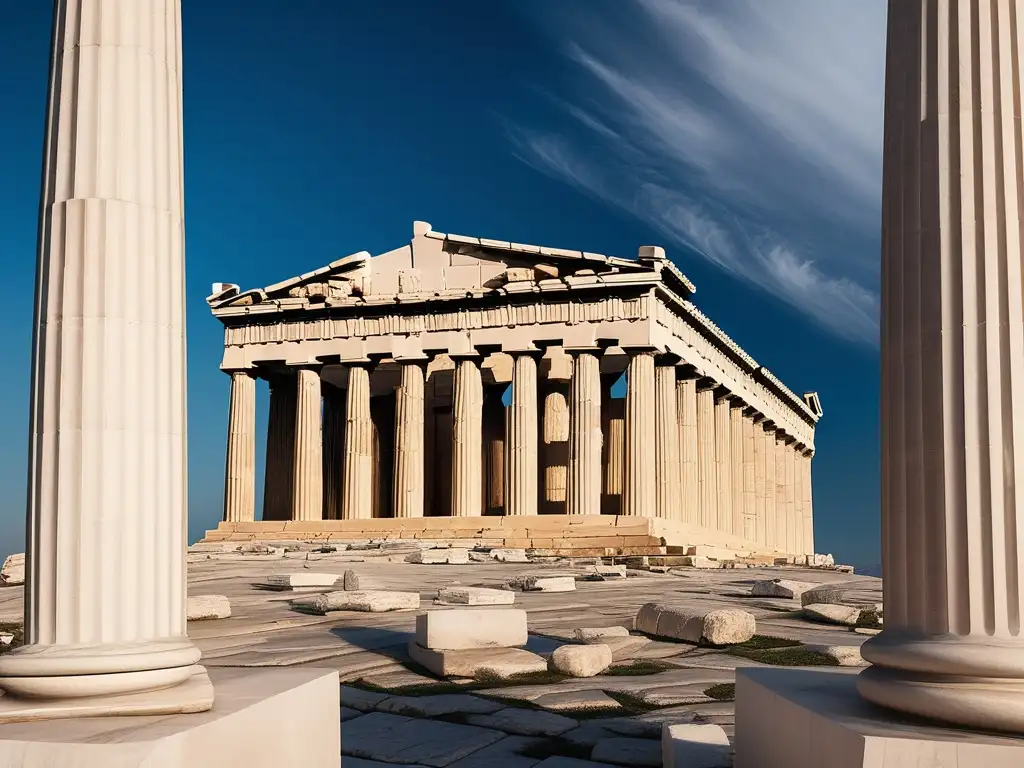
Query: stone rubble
pixel 368 601
pixel 843 655
pixel 833 613
pixel 350 581
pixel 581 660
pixel 474 596
pixel 300 580
pixel 726 626
pixel 453 556
pixel 599 634
pixel 822 595
pixel 205 607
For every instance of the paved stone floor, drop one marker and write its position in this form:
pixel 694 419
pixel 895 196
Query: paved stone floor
pixel 396 714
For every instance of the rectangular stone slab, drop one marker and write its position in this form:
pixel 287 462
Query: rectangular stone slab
pixel 368 601
pixel 497 662
pixel 475 596
pixel 463 628
pixel 300 580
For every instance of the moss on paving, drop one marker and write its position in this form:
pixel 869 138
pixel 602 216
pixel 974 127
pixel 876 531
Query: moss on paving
pixel 763 642
pixel 722 692
pixel 637 667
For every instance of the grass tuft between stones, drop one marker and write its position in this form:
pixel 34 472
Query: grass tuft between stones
pixel 764 642
pixel 721 692
pixel 637 667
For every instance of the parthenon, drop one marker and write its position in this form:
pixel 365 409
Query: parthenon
pixel 462 388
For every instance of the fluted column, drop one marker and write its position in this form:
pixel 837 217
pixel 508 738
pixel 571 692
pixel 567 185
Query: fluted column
pixel 240 471
pixel 467 436
pixel 522 441
pixel 307 461
pixel 639 498
pixel 686 414
pixel 107 488
pixel 808 504
pixel 614 460
pixel 583 493
pixel 707 464
pixel 666 444
pixel 736 467
pixel 357 485
pixel 409 458
pixel 952 367
pixel 771 517
pixel 760 498
pixel 334 450
pixel 277 476
pixel 749 494
pixel 555 447
pixel 723 464
pixel 782 503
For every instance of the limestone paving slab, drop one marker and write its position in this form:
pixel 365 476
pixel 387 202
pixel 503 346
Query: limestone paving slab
pixel 357 698
pixel 599 634
pixel 476 662
pixel 638 753
pixel 349 714
pixel 576 700
pixel 525 722
pixel 695 745
pixel 359 762
pixel 435 706
pixel 503 754
pixel 396 739
pixel 454 556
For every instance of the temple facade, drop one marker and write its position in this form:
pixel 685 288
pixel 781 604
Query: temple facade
pixel 459 388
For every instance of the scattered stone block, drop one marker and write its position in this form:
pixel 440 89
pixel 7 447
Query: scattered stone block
pixel 599 634
pixel 725 626
pixel 543 583
pixel 783 588
pixel 525 722
pixel 204 607
pixel 499 663
pixel 367 601
pixel 404 740
pixel 695 745
pixel 435 706
pixel 13 571
pixel 626 751
pixel 822 561
pixel 581 660
pixel 830 613
pixel 607 572
pixel 576 700
pixel 301 580
pixel 843 655
pixel 844 568
pixel 822 595
pixel 351 581
pixel 454 556
pixel 510 555
pixel 475 596
pixel 697 561
pixel 458 629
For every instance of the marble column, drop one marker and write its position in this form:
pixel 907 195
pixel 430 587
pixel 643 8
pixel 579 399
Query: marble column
pixel 795 526
pixel 783 500
pixel 409 427
pixel 736 467
pixel 760 496
pixel 614 460
pixel 240 470
pixel 707 465
pixel 952 337
pixel 107 487
pixel 522 439
pixel 771 492
pixel 805 461
pixel 666 444
pixel 467 437
pixel 334 449
pixel 495 417
pixel 277 476
pixel 583 492
pixel 723 464
pixel 686 410
pixel 357 483
pixel 555 447
pixel 749 491
pixel 639 497
pixel 308 458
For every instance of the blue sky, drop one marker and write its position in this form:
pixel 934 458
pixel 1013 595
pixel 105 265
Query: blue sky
pixel 747 141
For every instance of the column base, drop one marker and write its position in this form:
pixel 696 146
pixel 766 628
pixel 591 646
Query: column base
pixel 262 719
pixel 817 719
pixel 195 694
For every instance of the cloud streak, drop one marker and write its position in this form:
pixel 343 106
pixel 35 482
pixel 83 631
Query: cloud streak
pixel 735 130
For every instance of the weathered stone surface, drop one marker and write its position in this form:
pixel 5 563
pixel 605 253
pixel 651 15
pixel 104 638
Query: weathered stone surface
pixel 351 581
pixel 847 615
pixel 349 714
pixel 844 655
pixel 525 722
pixel 505 753
pixel 357 698
pixel 721 627
pixel 624 648
pixel 576 700
pixel 581 660
pixel 631 752
pixel 499 663
pixel 549 584
pixel 360 762
pixel 693 745
pixel 783 588
pixel 822 595
pixel 867 631
pixel 599 634
pixel 395 739
pixel 606 572
pixel 204 607
pixel 453 556
pixel 557 761
pixel 462 628
pixel 13 571
pixel 435 706
pixel 510 555
pixel 475 596
pixel 696 561
pixel 368 601
pixel 301 580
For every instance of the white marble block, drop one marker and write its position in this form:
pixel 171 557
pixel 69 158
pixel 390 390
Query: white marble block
pixel 203 607
pixel 301 580
pixel 726 626
pixel 457 629
pixel 454 556
pixel 495 662
pixel 475 596
pixel 13 571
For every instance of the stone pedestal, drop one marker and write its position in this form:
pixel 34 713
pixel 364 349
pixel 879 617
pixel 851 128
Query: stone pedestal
pixel 408 493
pixel 686 410
pixel 521 440
pixel 639 498
pixel 707 463
pixel 467 437
pixel 357 485
pixel 240 472
pixel 307 468
pixel 666 444
pixel 107 506
pixel 583 494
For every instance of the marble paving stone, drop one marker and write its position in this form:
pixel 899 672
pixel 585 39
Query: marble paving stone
pixel 454 556
pixel 576 700
pixel 525 722
pixel 349 714
pixel 846 615
pixel 357 698
pixel 636 753
pixel 475 662
pixel 694 745
pixel 624 648
pixel 396 739
pixel 502 754
pixel 434 706
pixel 558 761
pixel 359 762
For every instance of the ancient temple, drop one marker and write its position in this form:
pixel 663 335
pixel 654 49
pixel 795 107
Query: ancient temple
pixel 461 388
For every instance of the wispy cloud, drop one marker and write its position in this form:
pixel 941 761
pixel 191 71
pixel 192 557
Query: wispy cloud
pixel 735 127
